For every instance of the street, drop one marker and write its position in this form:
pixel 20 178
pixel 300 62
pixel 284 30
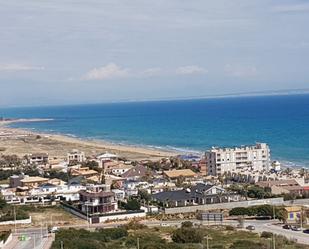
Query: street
pixel 30 238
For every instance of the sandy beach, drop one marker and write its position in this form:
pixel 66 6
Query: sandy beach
pixel 22 142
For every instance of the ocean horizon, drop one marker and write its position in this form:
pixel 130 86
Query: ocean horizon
pixel 187 126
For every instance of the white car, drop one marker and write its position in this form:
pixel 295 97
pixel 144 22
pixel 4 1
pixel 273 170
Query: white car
pixel 53 229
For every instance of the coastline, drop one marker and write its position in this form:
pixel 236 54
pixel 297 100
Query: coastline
pixel 13 139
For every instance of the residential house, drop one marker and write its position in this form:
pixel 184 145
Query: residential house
pixel 38 158
pixel 76 156
pixel 97 202
pixel 199 194
pixel 289 186
pixel 83 171
pixel 293 214
pixel 32 181
pixel 176 173
pixel 137 172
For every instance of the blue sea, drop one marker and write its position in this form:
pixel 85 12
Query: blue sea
pixel 186 125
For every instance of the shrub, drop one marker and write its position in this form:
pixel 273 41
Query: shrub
pixel 266 235
pixel 247 244
pixel 230 228
pixel 186 224
pixel 132 204
pixel 187 235
pixel 134 225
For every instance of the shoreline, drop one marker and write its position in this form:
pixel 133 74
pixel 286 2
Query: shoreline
pixel 131 151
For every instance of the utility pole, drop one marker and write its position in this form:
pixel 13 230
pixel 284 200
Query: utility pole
pixel 137 243
pixel 207 242
pixel 42 234
pixel 88 216
pixel 274 241
pixel 301 218
pixel 14 219
pixel 33 240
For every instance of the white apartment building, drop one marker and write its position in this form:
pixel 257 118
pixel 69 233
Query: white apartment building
pixel 255 158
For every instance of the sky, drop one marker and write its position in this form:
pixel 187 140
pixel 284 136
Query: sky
pixel 92 51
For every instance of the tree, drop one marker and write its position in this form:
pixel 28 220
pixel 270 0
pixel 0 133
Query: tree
pixel 281 214
pixel 3 203
pixel 144 195
pixel 132 204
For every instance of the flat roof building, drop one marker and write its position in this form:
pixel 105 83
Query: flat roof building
pixel 254 158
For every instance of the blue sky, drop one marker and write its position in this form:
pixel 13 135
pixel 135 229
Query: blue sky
pixel 74 51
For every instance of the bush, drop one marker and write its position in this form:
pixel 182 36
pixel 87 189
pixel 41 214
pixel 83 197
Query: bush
pixel 247 244
pixel 262 210
pixel 186 224
pixel 187 235
pixel 238 211
pixel 134 225
pixel 113 233
pixel 229 228
pixel 266 235
pixel 132 204
pixel 4 235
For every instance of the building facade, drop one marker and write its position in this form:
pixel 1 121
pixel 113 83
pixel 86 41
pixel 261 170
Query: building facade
pixel 255 158
pixel 76 156
pixel 97 202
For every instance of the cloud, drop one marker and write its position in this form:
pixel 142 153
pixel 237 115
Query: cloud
pixel 110 71
pixel 151 72
pixel 240 71
pixel 301 7
pixel 192 69
pixel 19 67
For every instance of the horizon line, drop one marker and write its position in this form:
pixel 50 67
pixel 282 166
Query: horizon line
pixel 284 92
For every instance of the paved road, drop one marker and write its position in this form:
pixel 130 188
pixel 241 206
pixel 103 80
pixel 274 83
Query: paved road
pixel 36 241
pixel 36 238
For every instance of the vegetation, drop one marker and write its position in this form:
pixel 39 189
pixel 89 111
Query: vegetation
pixel 160 238
pixel 4 235
pixel 7 212
pixel 91 164
pixel 251 191
pixel 261 211
pixel 131 204
pixel 187 234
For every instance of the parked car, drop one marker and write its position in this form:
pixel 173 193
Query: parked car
pixel 306 231
pixel 250 227
pixel 286 226
pixel 165 225
pixel 53 229
pixel 296 228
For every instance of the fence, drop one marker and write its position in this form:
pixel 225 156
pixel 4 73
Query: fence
pixel 96 218
pixel 226 205
pixel 12 222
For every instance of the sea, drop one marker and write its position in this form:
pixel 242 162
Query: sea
pixel 186 126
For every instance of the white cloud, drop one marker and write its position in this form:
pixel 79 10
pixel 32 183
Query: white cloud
pixel 192 69
pixel 19 67
pixel 110 71
pixel 240 71
pixel 151 72
pixel 301 7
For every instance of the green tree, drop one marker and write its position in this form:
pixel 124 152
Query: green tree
pixel 132 204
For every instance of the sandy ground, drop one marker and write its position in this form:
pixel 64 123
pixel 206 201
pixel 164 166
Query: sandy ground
pixel 22 142
pixel 55 217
